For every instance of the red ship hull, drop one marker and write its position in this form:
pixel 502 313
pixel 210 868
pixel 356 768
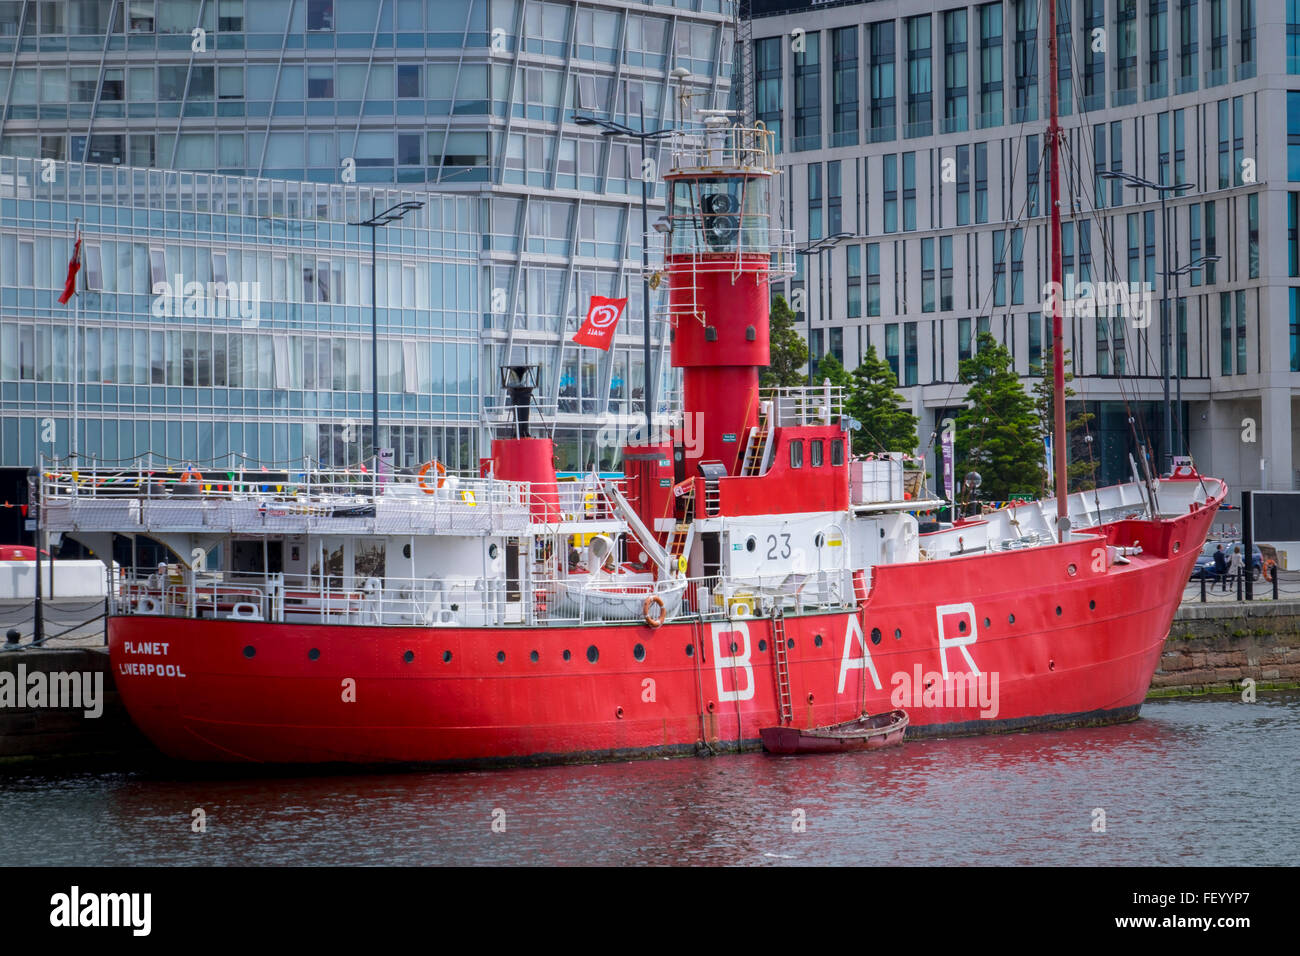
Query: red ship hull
pixel 1078 646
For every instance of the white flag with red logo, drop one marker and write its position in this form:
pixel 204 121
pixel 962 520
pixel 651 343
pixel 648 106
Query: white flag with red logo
pixel 602 318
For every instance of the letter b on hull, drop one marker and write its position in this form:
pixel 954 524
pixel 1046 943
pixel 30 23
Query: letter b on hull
pixel 733 668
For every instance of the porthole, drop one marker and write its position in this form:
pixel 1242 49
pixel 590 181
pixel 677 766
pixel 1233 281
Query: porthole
pixel 533 657
pixel 734 647
pixel 762 645
pixel 406 550
pixel 1178 546
pixel 875 635
pixel 249 651
pixel 817 640
pixel 408 656
pixel 568 655
pixel 961 626
pixel 898 634
pixel 790 644
pixel 1072 570
pixel 493 550
pixel 1011 619
pixel 1092 605
pixel 819 540
pixel 446 657
pixel 987 622
pixel 313 654
pixel 690 650
pixel 593 655
pixel 639 652
pixel 501 657
pixel 1058 610
pixel 750 543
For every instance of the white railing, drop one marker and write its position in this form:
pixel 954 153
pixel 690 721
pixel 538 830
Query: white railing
pixel 722 147
pixel 573 600
pixel 818 405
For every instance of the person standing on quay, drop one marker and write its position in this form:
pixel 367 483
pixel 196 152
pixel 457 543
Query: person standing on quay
pixel 1234 567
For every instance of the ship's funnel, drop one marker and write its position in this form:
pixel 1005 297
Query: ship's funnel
pixel 519 381
pixel 599 548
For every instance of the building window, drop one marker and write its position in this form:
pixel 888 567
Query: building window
pixel 408 81
pixel 891 348
pixel 1238 141
pixel 853 278
pixel 927 275
pixel 1162 148
pixel 844 61
pixel 1218 72
pixel 920 87
pixel 1252 235
pixel 1226 350
pixel 981 182
pixel 963 339
pixel 1157 49
pixel 1293 136
pixel 1099 165
pixel 1194 239
pixel 1064 66
pixel 1094 61
pixel 1241 332
pixel 834 198
pixel 1180 309
pixel 1225 174
pixel 1103 345
pixel 956 73
pixel 990 113
pixel 1188 45
pixel 767 85
pixel 963 185
pixel 909 192
pixel 882 82
pixel 1026 90
pixel 1293 234
pixel 320 14
pixel 1116 162
pixel 815 201
pixel 999 267
pixel 911 365
pixel 945 273
pixel 1149 231
pixel 1293 41
pixel 1295 329
pixel 1035 344
pixel 320 82
pixel 1180 148
pixel 873 279
pixel 1119 345
pixel 1033 167
pixel 1126 52
pixel 807 95
pixel 890 179
pixel 1210 243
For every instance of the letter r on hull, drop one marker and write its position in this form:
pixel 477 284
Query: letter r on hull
pixel 963 638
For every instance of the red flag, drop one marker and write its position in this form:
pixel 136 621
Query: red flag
pixel 74 266
pixel 602 318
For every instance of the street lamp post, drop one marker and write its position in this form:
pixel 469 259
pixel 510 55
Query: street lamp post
pixel 611 128
pixel 1137 182
pixel 817 248
pixel 376 220
pixel 1191 267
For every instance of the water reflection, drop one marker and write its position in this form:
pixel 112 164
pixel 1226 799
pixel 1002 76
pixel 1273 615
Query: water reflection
pixel 1196 781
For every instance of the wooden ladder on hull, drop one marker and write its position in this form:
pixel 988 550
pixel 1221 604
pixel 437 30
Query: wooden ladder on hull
pixel 784 703
pixel 755 451
pixel 679 541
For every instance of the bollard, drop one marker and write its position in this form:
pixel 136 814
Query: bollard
pixel 1239 594
pixel 1202 588
pixel 1275 582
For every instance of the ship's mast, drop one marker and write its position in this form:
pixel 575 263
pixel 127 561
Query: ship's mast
pixel 1058 351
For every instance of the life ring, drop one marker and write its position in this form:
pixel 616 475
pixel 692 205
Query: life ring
pixel 653 600
pixel 441 470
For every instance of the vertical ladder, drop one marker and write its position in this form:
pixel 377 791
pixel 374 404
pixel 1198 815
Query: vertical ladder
pixel 784 703
pixel 679 541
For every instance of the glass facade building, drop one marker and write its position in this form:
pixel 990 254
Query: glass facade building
pixel 232 141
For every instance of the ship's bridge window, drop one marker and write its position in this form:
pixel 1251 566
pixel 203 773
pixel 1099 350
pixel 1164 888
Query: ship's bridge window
pixel 719 214
pixel 796 454
pixel 837 452
pixel 816 450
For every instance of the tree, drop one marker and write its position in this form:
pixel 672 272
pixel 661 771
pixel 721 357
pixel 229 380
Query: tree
pixel 871 398
pixel 789 352
pixel 998 434
pixel 1081 467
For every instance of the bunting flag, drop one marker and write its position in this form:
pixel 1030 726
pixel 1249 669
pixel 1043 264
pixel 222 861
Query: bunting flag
pixel 74 266
pixel 597 331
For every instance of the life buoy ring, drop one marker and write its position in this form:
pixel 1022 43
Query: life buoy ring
pixel 653 620
pixel 441 471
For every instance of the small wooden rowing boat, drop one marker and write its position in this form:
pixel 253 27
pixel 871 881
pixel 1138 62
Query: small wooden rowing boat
pixel 861 733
